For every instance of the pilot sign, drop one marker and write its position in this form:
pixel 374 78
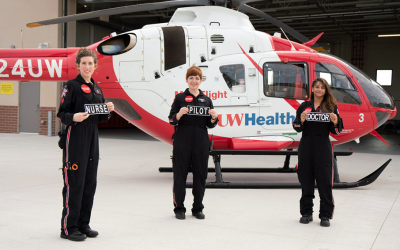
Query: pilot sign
pixel 198 110
pixel 96 109
pixel 318 117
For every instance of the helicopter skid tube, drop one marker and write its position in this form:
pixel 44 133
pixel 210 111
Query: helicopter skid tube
pixel 362 182
pixel 241 170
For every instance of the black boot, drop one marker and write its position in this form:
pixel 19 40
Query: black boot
pixel 199 215
pixel 325 222
pixel 306 218
pixel 74 236
pixel 88 231
pixel 180 215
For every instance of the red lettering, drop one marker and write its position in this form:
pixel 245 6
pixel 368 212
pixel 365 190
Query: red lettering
pixel 238 118
pixel 213 95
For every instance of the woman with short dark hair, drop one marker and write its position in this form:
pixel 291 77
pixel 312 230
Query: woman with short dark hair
pixel 81 148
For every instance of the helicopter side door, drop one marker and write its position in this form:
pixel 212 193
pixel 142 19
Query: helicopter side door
pixel 282 87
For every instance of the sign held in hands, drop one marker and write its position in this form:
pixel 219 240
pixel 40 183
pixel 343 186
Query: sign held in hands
pixel 96 109
pixel 198 110
pixel 318 117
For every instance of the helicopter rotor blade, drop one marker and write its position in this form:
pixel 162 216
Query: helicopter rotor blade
pixel 247 9
pixel 118 10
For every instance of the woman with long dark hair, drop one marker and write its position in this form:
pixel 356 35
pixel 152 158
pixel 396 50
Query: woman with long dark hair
pixel 316 119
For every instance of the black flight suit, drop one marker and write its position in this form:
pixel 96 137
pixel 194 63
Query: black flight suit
pixel 190 149
pixel 81 152
pixel 315 162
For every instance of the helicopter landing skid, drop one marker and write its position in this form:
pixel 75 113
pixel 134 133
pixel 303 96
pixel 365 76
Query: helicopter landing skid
pixel 219 183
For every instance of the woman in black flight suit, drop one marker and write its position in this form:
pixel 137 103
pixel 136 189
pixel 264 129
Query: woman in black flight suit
pixel 81 151
pixel 315 161
pixel 191 143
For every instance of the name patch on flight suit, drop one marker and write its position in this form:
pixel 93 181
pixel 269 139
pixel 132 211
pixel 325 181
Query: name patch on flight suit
pixel 318 117
pixel 97 109
pixel 198 110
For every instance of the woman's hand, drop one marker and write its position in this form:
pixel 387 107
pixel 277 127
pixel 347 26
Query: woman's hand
pixel 110 106
pixel 334 118
pixel 303 117
pixel 80 117
pixel 182 111
pixel 213 114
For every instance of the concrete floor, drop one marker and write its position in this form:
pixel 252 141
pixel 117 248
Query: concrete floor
pixel 133 204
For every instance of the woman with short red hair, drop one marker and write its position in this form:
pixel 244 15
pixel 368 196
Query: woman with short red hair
pixel 192 113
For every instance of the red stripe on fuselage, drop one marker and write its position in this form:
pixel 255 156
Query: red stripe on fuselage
pixel 252 61
pixel 292 102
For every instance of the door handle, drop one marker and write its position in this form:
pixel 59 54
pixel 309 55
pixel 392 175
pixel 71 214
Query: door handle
pixel 37 107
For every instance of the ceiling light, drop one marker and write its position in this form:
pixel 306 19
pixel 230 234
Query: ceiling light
pixel 85 6
pixel 388 35
pixel 375 4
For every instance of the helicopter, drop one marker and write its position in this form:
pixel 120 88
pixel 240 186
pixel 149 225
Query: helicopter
pixel 256 81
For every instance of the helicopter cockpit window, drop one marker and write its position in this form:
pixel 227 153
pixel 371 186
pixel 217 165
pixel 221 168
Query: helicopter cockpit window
pixel 341 86
pixel 234 76
pixel 289 80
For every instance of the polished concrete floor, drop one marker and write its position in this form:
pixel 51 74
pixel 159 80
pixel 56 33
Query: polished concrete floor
pixel 133 204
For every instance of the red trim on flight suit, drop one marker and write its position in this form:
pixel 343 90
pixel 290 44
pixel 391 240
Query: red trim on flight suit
pixel 66 182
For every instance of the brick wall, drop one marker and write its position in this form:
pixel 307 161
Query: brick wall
pixel 8 119
pixel 44 117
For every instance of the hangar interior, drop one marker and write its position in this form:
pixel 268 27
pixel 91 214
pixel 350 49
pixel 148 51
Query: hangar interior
pixel 351 32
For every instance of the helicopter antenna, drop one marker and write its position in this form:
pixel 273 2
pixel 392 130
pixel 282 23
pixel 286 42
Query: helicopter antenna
pixel 293 48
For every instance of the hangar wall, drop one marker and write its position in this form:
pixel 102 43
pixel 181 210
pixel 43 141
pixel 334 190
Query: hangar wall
pixel 384 53
pixel 14 17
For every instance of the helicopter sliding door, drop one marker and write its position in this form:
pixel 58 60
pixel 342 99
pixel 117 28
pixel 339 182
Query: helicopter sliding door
pixel 152 53
pixel 197 45
pixel 284 85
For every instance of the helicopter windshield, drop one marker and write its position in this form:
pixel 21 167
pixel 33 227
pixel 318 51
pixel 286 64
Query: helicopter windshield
pixel 376 95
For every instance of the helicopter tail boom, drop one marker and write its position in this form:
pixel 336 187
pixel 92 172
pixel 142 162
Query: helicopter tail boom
pixel 36 64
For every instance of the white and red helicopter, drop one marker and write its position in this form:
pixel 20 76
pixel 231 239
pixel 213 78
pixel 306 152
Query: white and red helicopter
pixel 256 81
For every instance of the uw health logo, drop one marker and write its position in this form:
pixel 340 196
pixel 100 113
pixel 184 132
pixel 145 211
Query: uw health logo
pixel 252 119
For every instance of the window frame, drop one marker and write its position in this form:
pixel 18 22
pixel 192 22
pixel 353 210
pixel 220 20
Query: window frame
pixel 244 75
pixel 307 75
